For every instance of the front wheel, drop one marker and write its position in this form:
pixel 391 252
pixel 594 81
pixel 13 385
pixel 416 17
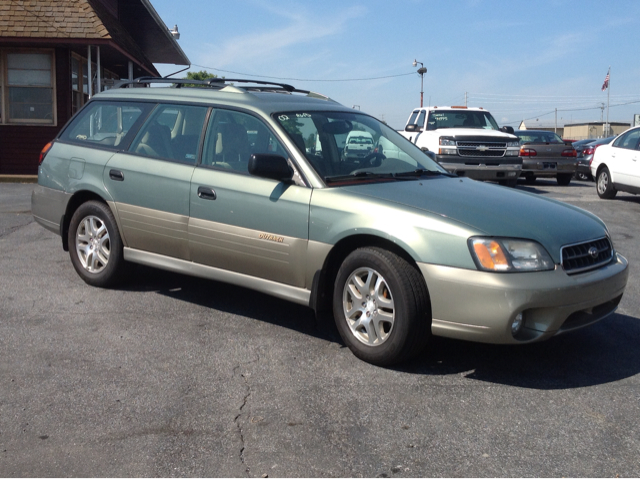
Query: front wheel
pixel 564 179
pixel 95 246
pixel 381 307
pixel 604 186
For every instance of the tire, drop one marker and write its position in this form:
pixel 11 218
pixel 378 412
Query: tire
pixel 95 245
pixel 563 179
pixel 530 179
pixel 604 186
pixel 397 294
pixel 512 183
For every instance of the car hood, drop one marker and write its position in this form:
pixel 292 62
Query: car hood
pixel 492 210
pixel 474 132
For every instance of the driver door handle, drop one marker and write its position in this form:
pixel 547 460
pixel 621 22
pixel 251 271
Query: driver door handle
pixel 206 193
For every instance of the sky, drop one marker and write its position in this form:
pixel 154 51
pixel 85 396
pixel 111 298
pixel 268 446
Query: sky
pixel 520 59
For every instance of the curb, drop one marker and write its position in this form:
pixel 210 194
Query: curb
pixel 18 178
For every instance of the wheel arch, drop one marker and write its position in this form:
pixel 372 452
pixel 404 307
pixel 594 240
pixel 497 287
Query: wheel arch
pixel 78 198
pixel 323 281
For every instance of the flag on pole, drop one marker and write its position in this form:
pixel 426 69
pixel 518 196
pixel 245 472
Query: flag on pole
pixel 605 85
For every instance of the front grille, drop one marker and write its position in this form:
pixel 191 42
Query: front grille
pixel 475 144
pixel 578 258
pixel 482 149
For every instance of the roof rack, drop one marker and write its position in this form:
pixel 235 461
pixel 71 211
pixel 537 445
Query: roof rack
pixel 213 82
pixel 222 83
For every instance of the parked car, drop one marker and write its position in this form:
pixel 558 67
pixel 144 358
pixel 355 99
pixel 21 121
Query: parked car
pixel 392 244
pixel 579 146
pixel 583 171
pixel 359 144
pixel 616 165
pixel 545 154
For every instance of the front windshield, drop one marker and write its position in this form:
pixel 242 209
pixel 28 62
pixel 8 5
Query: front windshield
pixel 461 119
pixel 344 147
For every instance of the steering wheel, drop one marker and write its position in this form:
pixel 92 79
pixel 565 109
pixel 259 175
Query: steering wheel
pixel 374 159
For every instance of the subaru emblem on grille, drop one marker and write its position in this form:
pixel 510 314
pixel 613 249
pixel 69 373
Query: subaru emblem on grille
pixel 593 252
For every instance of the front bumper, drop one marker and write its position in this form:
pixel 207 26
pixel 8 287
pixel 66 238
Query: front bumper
pixel 482 168
pixel 481 306
pixel 548 167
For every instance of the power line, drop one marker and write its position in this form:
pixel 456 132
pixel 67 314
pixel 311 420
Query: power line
pixel 303 79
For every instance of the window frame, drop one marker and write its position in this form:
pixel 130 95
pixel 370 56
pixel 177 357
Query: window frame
pixel 128 138
pixel 5 107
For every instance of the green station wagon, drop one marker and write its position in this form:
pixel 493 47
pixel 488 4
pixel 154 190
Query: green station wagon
pixel 248 183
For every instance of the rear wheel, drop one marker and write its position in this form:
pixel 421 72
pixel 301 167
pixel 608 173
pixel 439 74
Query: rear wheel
pixel 95 246
pixel 604 186
pixel 381 307
pixel 564 179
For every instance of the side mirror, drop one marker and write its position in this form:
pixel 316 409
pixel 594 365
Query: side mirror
pixel 413 128
pixel 274 167
pixel 508 129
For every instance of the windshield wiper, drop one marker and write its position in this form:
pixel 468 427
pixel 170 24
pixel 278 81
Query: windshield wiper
pixel 421 172
pixel 359 174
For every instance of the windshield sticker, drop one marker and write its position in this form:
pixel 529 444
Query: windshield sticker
pixel 303 115
pixel 283 118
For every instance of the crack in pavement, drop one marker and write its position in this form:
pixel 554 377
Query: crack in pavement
pixel 13 229
pixel 236 420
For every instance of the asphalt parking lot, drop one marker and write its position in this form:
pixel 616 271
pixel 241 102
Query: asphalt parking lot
pixel 176 376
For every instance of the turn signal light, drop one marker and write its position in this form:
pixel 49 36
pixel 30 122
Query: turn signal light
pixel 44 152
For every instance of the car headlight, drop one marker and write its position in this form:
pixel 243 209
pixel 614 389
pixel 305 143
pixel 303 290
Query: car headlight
pixel 506 255
pixel 513 143
pixel 447 141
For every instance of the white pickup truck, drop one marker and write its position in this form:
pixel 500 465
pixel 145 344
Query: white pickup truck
pixel 467 142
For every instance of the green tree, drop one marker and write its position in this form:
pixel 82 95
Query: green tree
pixel 201 75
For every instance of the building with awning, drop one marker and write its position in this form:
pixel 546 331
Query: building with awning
pixel 56 54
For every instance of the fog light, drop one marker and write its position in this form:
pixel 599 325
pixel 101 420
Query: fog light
pixel 511 173
pixel 517 324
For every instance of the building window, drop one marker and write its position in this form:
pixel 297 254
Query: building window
pixel 80 81
pixel 28 95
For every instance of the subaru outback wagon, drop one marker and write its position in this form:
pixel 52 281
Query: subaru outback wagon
pixel 248 183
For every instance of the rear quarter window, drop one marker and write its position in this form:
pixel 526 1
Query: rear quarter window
pixel 106 124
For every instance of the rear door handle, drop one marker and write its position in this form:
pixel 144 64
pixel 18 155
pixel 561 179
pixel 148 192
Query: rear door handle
pixel 116 175
pixel 206 193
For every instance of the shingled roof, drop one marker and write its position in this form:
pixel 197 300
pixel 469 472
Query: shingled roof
pixel 72 20
pixel 51 19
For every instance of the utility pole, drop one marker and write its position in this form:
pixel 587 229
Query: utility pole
pixel 421 71
pixel 465 98
pixel 555 128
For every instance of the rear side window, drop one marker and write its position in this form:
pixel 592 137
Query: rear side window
pixel 629 140
pixel 172 132
pixel 106 124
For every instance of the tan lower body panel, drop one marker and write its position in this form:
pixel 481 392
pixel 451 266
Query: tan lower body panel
pixel 152 230
pixel 279 290
pixel 262 254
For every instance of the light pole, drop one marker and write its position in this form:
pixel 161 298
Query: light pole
pixel 421 71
